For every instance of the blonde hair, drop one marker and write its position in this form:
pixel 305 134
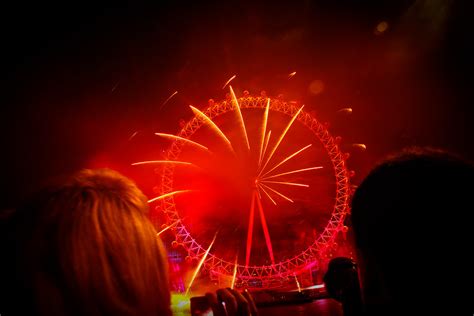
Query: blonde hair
pixel 98 252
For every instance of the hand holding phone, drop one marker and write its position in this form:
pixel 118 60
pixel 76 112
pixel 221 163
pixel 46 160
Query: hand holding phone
pixel 225 302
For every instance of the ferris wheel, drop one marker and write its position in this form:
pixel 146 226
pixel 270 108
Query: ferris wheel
pixel 254 186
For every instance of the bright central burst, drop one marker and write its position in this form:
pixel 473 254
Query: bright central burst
pixel 266 177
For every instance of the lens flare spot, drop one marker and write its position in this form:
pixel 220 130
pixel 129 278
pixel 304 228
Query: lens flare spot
pixel 316 87
pixel 381 28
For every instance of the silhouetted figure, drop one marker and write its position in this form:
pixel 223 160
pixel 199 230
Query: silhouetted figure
pixel 342 284
pixel 413 232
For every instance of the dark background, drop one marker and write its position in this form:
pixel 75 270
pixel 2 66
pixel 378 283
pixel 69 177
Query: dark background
pixel 79 80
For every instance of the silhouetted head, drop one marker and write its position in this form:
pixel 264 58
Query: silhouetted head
pixel 87 248
pixel 341 277
pixel 412 225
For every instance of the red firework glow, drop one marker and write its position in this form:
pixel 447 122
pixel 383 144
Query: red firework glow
pixel 300 172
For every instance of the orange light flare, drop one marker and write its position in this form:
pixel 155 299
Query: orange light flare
pixel 360 146
pixel 239 115
pixel 167 227
pixel 265 231
pixel 291 75
pixel 234 276
pixel 228 81
pixel 133 135
pixel 201 262
pixel 188 141
pixel 213 126
pixel 278 193
pixel 287 158
pixel 263 131
pixel 248 248
pixel 152 162
pixel 169 194
pixel 291 172
pixel 169 98
pixel 345 110
pixel 381 28
pixel 297 283
pixel 282 136
pixel 267 140
pixel 287 183
pixel 268 195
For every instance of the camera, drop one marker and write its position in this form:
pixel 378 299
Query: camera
pixel 199 306
pixel 266 299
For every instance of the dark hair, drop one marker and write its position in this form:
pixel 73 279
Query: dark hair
pixel 411 219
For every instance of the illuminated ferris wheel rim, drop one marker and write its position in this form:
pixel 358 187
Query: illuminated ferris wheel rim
pixel 283 268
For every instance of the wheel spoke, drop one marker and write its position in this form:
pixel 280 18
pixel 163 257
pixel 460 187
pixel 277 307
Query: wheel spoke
pixel 278 193
pixel 291 172
pixel 287 183
pixel 282 136
pixel 286 159
pixel 268 195
pixel 265 231
pixel 250 230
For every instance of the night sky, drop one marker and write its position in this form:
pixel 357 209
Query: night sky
pixel 78 81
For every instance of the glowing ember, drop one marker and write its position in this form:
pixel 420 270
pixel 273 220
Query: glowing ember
pixel 360 146
pixel 228 81
pixel 133 135
pixel 169 98
pixel 345 110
